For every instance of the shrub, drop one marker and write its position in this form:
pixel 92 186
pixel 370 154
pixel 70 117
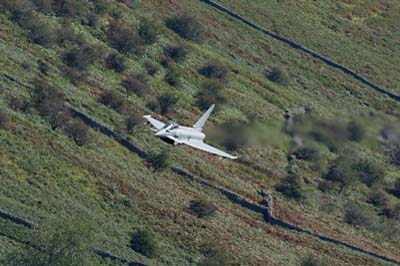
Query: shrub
pixel 112 100
pixel 144 242
pixel 369 172
pixel 50 103
pixel 40 31
pixel 341 170
pixel 132 121
pixel 78 131
pixel 291 187
pixel 377 198
pixel 70 8
pixel 43 67
pixel 136 83
pixel 4 120
pixel 278 76
pixel 202 208
pixel 101 6
pixel 176 52
pixel 167 101
pixel 160 161
pixel 82 57
pixel 312 260
pixel 396 189
pixel 151 68
pixel 356 131
pixel 359 215
pixel 172 77
pixel 18 8
pixel 148 31
pixel 67 35
pixel 214 70
pixel 210 94
pixel 18 104
pixel 391 211
pixel 123 38
pixel 394 152
pixel 311 154
pixel 187 27
pixel 44 6
pixel 117 62
pixel 213 254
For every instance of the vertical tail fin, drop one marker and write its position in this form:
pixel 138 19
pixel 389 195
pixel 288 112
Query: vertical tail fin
pixel 203 119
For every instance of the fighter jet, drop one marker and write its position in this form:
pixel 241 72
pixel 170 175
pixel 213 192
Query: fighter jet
pixel 192 136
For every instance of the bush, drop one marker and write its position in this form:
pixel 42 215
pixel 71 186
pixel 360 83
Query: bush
pixel 396 189
pixel 341 170
pixel 40 31
pixel 291 187
pixel 214 70
pixel 356 131
pixel 160 161
pixel 369 172
pixel 394 152
pixel 18 8
pixel 112 100
pixel 377 198
pixel 132 121
pixel 311 154
pixel 43 67
pixel 312 260
pixel 213 254
pixel 359 215
pixel 78 131
pixel 68 36
pixel 202 208
pixel 391 211
pixel 19 104
pixel 151 68
pixel 136 83
pixel 123 38
pixel 117 62
pixel 210 94
pixel 148 31
pixel 144 242
pixel 185 26
pixel 4 120
pixel 167 101
pixel 70 8
pixel 82 57
pixel 176 52
pixel 172 77
pixel 50 103
pixel 278 76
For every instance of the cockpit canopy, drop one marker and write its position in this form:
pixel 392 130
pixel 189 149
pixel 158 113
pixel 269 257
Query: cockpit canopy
pixel 170 125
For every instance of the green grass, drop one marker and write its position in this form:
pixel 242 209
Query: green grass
pixel 45 174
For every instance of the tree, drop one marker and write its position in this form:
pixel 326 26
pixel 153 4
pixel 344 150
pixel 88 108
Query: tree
pixel 342 171
pixel 59 244
pixel 82 57
pixel 187 27
pixel 144 242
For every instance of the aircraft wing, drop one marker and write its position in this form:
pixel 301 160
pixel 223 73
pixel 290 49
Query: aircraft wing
pixel 208 148
pixel 154 122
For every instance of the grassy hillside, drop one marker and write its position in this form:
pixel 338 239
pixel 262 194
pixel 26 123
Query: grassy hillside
pixel 118 60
